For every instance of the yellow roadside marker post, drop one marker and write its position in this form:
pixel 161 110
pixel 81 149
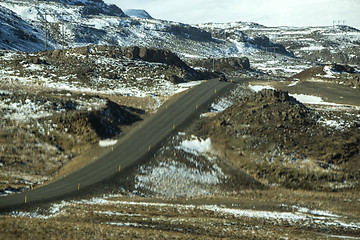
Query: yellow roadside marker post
pixel 215 91
pixel 173 126
pixel 197 106
pixel 25 199
pixel 149 148
pixel 78 186
pixel 119 167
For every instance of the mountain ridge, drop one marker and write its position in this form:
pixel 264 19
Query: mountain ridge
pixel 77 23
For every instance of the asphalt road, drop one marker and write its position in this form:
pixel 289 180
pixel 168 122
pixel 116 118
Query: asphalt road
pixel 136 146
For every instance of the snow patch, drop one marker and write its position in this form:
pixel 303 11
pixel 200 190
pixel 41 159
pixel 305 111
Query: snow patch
pixel 4 92
pixel 196 146
pixel 107 143
pixel 93 201
pixel 293 84
pixel 303 98
pixel 259 88
pixel 309 99
pixel 328 72
pixel 221 106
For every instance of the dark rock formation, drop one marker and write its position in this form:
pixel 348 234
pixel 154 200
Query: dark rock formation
pixel 154 55
pixel 187 31
pixel 231 64
pixel 342 68
pixel 263 42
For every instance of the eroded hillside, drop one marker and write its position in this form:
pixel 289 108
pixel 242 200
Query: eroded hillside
pixel 279 140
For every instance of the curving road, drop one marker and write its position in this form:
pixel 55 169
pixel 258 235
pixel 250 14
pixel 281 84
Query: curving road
pixel 136 146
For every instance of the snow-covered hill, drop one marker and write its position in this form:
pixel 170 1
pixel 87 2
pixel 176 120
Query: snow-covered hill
pixel 75 24
pixel 326 44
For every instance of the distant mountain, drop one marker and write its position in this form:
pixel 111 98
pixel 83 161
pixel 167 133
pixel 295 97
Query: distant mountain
pixel 25 24
pixel 138 13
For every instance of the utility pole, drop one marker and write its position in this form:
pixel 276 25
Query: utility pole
pixel 271 49
pixel 43 16
pixel 46 27
pixel 337 23
pixel 63 31
pixel 62 28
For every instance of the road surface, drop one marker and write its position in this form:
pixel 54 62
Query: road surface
pixel 136 146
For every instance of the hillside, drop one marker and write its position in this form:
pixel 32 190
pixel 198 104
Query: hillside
pixel 18 34
pixel 278 140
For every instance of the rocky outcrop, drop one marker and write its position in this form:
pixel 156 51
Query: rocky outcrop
pixel 228 65
pixel 273 106
pixel 153 55
pixel 263 42
pixel 180 70
pixel 173 68
pixel 239 63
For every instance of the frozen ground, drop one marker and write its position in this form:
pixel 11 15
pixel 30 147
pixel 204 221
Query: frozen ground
pixel 186 161
pixel 291 214
pixel 193 217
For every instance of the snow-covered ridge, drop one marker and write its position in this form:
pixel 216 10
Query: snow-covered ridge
pixel 73 25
